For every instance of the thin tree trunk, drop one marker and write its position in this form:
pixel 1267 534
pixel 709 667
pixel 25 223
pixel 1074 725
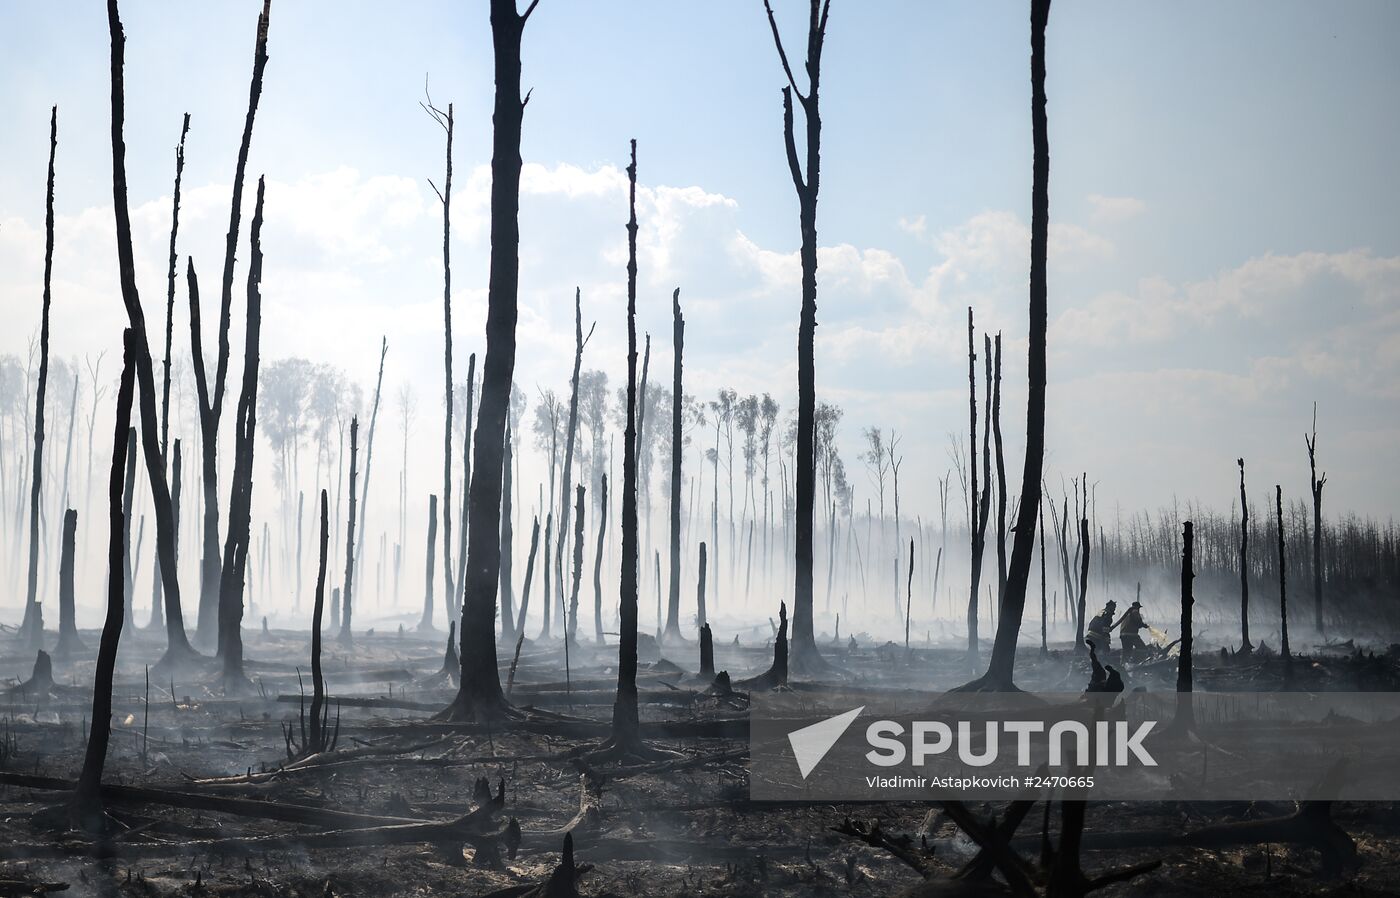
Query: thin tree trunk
pixel 347 591
pixel 445 195
pixel 571 627
pixel 88 796
pixel 240 506
pixel 1001 473
pixel 318 683
pixel 548 580
pixel 426 622
pixel 369 460
pixel 626 728
pixel 806 657
pixel 673 607
pixel 68 642
pixel 454 609
pixel 211 406
pixel 529 575
pixel 480 691
pixel 507 545
pixel 128 503
pixel 1282 577
pixel 1245 645
pixel 598 561
pixel 33 626
pixel 1317 484
pixel 1014 596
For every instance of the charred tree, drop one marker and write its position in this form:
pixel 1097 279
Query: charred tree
pixel 673 605
pixel 519 626
pixel 626 727
pixel 571 626
pixel 1317 484
pixel 425 623
pixel 1083 584
pixel 88 797
pixel 1282 577
pixel 1245 645
pixel 507 546
pixel 598 560
pixel 32 628
pixel 178 650
pixel 548 606
pixel 700 592
pixel 128 503
pixel 1185 719
pixel 369 460
pixel 806 658
pixel 211 405
pixel 1001 472
pixel 1013 604
pixel 445 121
pixel 1044 647
pixel 238 541
pixel 452 608
pixel 479 695
pixel 316 735
pixel 173 270
pixel 568 627
pixel 68 642
pixel 348 588
pixel 980 509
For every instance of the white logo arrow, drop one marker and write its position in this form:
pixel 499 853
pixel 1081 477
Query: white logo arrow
pixel 811 743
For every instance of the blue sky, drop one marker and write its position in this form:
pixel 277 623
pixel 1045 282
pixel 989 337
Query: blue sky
pixel 1222 186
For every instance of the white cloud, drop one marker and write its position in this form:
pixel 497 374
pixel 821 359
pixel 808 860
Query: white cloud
pixel 1114 209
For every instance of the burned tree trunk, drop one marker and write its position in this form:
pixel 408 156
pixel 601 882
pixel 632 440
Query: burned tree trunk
pixel 348 589
pixel 316 736
pixel 479 695
pixel 571 626
pixel 88 798
pixel 1317 484
pixel 1013 602
pixel 626 728
pixel 128 501
pixel 32 628
pixel 1083 584
pixel 566 626
pixel 211 406
pixel 1001 474
pixel 519 626
pixel 806 657
pixel 673 606
pixel 548 607
pixel 598 561
pixel 453 608
pixel 369 460
pixel 1282 577
pixel 507 545
pixel 981 502
pixel 426 621
pixel 445 120
pixel 1044 647
pixel 700 593
pixel 68 642
pixel 240 505
pixel 1185 719
pixel 156 616
pixel 1245 645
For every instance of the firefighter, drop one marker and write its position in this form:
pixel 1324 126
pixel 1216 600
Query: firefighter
pixel 1131 624
pixel 1101 624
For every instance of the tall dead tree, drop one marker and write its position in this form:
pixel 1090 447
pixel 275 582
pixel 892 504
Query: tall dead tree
pixel 128 504
pixel 69 643
pixel 88 797
pixel 1001 472
pixel 211 405
pixel 318 684
pixel 507 545
pixel 571 429
pixel 805 656
pixel 1282 577
pixel 445 121
pixel 238 541
pixel 348 588
pixel 1245 645
pixel 571 627
pixel 171 272
pixel 1185 716
pixel 479 694
pixel 178 650
pixel 453 607
pixel 519 625
pixel 32 628
pixel 626 726
pixel 426 621
pixel 981 502
pixel 707 645
pixel 598 561
pixel 1013 604
pixel 369 460
pixel 673 604
pixel 1317 484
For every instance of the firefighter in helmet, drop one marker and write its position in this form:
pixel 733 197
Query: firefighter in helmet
pixel 1100 625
